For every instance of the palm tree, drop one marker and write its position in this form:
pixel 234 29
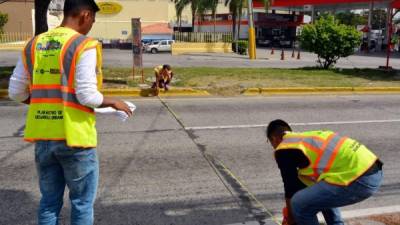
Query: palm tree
pixel 198 8
pixel 236 9
pixel 179 7
pixel 213 6
pixel 233 9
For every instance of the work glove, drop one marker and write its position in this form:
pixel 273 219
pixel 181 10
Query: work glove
pixel 285 214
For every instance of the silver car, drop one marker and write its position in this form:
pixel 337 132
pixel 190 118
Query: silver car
pixel 160 46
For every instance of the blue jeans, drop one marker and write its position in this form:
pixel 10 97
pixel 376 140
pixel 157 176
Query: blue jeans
pixel 58 166
pixel 326 198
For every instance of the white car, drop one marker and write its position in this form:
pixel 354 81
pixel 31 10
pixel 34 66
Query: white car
pixel 160 46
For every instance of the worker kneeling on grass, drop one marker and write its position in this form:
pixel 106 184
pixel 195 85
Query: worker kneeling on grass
pixel 163 75
pixel 322 171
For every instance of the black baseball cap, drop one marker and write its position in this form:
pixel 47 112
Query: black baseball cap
pixel 70 5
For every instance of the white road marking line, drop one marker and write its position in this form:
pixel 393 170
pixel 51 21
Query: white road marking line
pixel 250 223
pixel 293 124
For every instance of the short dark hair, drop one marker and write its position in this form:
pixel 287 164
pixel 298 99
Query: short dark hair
pixel 73 7
pixel 166 66
pixel 277 127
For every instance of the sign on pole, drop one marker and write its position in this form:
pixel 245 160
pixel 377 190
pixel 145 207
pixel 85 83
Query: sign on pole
pixel 308 8
pixel 137 48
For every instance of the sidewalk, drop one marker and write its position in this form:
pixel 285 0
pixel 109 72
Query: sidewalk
pixel 123 59
pixel 384 219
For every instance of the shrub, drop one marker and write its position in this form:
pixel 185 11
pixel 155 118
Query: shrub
pixel 329 40
pixel 242 47
pixel 3 21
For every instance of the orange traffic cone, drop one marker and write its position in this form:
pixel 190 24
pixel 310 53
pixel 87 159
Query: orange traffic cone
pixel 283 55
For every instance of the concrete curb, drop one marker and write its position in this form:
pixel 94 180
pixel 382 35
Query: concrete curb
pixel 320 90
pixel 11 48
pixel 3 93
pixel 136 92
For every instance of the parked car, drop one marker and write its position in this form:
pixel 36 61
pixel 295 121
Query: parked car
pixel 160 46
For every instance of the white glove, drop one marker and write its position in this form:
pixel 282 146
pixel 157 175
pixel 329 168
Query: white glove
pixel 120 114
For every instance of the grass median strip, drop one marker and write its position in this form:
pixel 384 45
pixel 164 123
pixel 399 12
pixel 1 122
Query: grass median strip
pixel 233 81
pixel 268 77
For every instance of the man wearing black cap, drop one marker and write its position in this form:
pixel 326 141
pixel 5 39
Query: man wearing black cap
pixel 57 78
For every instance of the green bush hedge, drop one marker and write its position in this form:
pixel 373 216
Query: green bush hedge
pixel 243 45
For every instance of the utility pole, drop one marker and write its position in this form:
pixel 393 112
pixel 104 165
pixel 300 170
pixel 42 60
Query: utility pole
pixel 252 33
pixel 370 13
pixel 389 31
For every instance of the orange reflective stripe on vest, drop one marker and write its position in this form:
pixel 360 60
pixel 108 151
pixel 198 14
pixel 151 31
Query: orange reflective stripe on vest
pixel 314 143
pixel 55 112
pixel 69 58
pixel 333 144
pixel 29 58
pixel 326 149
pixel 57 95
pixel 333 158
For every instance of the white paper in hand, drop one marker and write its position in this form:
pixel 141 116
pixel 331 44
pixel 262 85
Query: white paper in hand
pixel 120 114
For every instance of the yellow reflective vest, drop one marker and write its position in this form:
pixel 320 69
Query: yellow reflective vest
pixel 335 159
pixel 55 113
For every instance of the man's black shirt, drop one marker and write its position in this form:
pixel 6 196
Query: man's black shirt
pixel 289 161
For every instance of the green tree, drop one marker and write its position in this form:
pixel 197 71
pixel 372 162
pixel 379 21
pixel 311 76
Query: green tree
pixel 379 17
pixel 329 40
pixel 3 21
pixel 351 19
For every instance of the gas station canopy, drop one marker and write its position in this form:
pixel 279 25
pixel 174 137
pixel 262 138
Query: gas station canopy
pixel 335 4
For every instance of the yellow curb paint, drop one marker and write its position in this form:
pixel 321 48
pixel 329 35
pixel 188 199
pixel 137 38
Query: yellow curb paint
pixel 249 92
pixel 378 89
pixel 148 92
pixel 3 93
pixel 252 91
pixel 121 92
pixel 329 90
pixel 11 48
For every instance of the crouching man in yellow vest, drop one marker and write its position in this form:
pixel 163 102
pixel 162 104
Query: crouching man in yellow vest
pixel 57 78
pixel 322 171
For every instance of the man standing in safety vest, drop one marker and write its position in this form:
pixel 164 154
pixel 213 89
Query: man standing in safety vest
pixel 57 78
pixel 322 171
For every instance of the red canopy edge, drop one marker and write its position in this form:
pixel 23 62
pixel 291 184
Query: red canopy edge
pixel 288 3
pixel 396 4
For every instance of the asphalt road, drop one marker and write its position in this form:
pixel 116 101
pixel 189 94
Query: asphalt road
pixel 153 172
pixel 123 58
